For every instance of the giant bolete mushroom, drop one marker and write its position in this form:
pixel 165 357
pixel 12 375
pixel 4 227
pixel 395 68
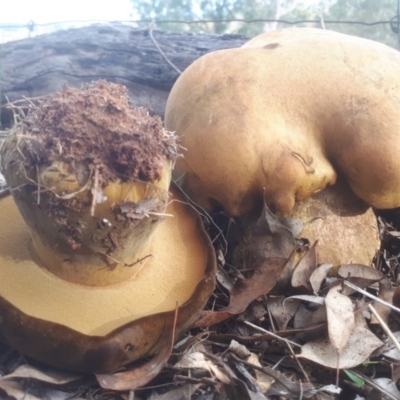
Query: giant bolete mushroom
pixel 285 116
pixel 96 257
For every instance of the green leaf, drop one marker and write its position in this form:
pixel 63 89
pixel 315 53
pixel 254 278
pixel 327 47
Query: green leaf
pixel 355 379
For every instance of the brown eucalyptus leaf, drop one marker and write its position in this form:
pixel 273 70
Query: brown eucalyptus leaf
pixel 243 373
pixel 359 275
pixel 361 344
pixel 255 312
pixel 304 269
pixel 318 276
pixel 389 386
pixel 282 311
pixel 278 240
pixel 340 316
pixel 198 360
pixel 307 297
pixel 180 393
pixel 396 297
pixel 265 237
pixel 396 374
pixel 293 224
pixel 305 318
pixel 134 378
pixel 223 278
pixel 209 318
pixel 390 350
pixel 239 349
pixel 238 390
pixel 264 381
pixel 244 291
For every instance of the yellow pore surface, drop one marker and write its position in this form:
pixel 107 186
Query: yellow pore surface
pixel 177 263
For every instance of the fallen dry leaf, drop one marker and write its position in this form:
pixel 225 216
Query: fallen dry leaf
pixel 264 238
pixel 180 393
pixel 340 316
pixel 293 224
pixel 304 269
pixel 223 278
pixel 264 381
pixel 198 360
pixel 390 350
pixel 311 298
pixel 239 349
pixel 396 297
pixel 396 374
pixel 389 386
pixel 244 291
pixel 253 390
pixel 282 311
pixel 361 344
pixel 318 276
pixel 139 376
pixel 359 275
pixel 53 376
pixel 305 318
pixel 11 390
pixel 385 294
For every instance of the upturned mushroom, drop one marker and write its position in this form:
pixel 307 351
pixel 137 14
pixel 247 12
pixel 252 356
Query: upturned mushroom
pixel 285 116
pixel 96 256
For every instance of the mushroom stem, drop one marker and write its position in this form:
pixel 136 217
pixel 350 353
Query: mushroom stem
pixel 91 195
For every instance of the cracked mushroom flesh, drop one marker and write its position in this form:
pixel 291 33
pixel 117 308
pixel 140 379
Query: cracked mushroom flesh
pixel 288 113
pixel 96 254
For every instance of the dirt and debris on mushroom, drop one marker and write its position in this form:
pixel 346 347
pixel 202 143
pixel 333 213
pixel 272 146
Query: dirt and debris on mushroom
pixel 72 145
pixel 97 125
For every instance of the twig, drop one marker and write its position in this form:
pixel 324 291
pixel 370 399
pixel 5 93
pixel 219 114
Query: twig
pixel 125 264
pixel 374 385
pixel 170 63
pixel 293 387
pixel 258 328
pixel 321 18
pixel 38 186
pixel 371 296
pixel 385 327
pixel 289 344
pixel 24 99
pixel 95 189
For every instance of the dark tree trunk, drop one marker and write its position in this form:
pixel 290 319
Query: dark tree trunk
pixel 41 65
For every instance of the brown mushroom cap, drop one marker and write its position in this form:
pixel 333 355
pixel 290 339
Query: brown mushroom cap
pixel 99 329
pixel 289 112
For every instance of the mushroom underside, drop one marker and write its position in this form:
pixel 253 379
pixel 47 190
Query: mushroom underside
pixel 92 329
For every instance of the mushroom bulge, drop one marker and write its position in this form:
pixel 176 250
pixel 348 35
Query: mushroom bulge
pixel 284 116
pixel 97 252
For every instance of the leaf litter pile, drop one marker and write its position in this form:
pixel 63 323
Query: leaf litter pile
pixel 270 331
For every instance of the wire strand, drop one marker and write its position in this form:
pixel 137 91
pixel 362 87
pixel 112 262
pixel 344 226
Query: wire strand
pixel 31 24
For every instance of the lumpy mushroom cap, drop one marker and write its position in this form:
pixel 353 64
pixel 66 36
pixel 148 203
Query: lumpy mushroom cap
pixel 285 115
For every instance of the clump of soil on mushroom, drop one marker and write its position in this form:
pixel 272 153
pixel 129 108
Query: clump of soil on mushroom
pixel 96 126
pixel 75 143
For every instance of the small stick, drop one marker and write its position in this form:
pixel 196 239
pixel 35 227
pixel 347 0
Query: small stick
pixel 371 296
pixel 95 188
pixel 385 327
